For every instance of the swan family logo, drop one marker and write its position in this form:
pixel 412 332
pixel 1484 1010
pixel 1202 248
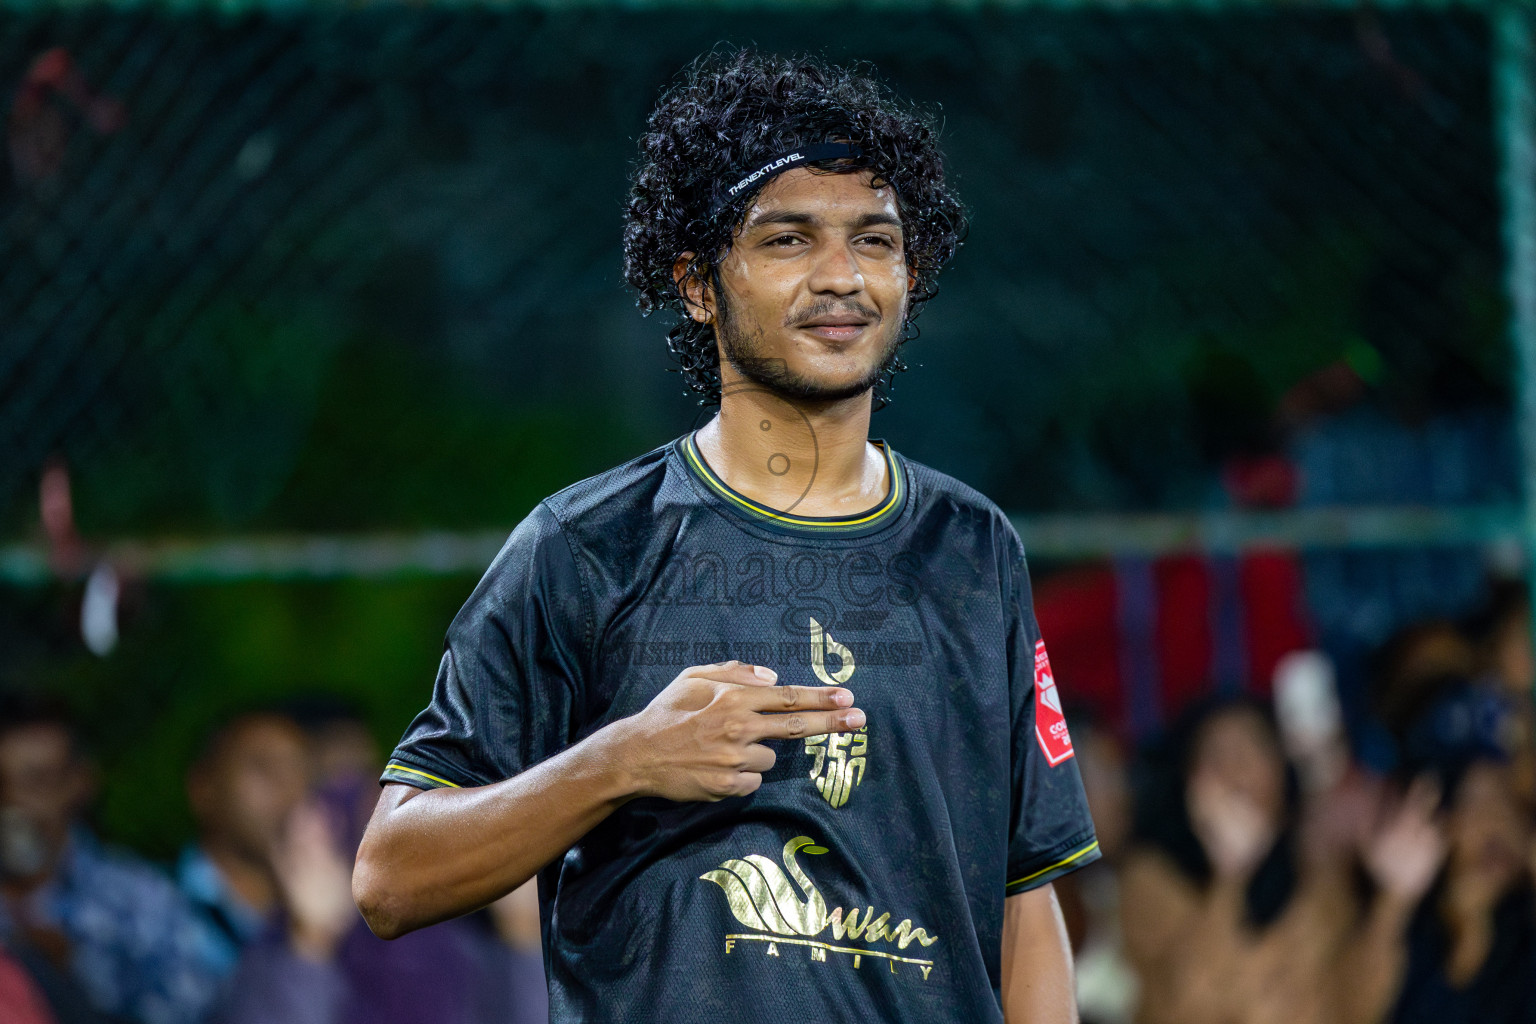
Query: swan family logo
pixel 840 757
pixel 762 896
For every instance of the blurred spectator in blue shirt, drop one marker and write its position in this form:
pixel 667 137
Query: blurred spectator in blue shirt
pixel 251 775
pixel 119 927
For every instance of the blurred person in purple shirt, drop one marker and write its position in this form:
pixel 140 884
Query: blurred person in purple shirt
pixel 313 961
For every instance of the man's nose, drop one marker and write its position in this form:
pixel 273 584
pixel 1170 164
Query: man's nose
pixel 837 272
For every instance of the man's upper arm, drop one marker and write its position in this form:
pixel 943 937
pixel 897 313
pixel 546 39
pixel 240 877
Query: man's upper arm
pixel 1050 829
pixel 509 686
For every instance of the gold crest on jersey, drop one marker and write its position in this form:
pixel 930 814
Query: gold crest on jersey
pixel 840 758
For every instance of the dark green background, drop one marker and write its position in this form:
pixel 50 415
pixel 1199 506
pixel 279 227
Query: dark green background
pixel 360 271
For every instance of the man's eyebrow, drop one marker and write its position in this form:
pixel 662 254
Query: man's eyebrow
pixel 812 220
pixel 870 220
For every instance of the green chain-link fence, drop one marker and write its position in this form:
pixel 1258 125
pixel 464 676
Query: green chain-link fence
pixel 216 228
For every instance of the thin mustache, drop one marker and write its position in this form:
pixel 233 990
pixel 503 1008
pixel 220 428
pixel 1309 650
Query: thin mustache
pixel 831 309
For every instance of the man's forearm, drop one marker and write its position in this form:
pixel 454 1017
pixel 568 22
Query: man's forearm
pixel 1037 961
pixel 429 856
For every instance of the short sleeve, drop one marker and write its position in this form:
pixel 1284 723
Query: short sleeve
pixel 509 687
pixel 1051 831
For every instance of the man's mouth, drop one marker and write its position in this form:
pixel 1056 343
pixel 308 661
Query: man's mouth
pixel 837 326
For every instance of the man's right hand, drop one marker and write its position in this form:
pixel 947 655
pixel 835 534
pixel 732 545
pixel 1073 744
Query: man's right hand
pixel 430 855
pixel 702 737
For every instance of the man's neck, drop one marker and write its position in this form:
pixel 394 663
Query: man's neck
pixel 810 459
pixel 249 879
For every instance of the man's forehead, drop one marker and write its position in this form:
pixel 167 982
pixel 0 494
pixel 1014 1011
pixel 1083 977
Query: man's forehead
pixel 829 196
pixel 36 741
pixel 260 735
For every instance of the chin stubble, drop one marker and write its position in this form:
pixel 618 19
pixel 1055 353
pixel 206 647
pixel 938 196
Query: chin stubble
pixel 744 349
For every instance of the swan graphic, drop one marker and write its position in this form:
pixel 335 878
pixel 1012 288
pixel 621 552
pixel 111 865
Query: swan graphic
pixel 762 896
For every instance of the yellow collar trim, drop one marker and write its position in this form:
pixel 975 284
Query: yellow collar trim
pixel 893 500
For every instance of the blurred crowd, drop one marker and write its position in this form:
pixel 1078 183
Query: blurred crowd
pixel 1256 871
pixel 255 923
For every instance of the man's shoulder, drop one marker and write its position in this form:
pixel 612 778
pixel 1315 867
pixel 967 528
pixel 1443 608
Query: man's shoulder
pixel 591 513
pixel 945 496
pixel 626 488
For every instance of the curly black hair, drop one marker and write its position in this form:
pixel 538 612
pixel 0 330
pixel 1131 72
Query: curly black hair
pixel 726 114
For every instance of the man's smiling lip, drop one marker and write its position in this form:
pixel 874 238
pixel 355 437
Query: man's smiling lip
pixel 837 327
pixel 836 332
pixel 838 320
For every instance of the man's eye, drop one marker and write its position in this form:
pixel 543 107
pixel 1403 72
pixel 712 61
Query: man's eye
pixel 785 240
pixel 878 240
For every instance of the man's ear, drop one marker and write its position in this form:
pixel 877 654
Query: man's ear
pixel 698 299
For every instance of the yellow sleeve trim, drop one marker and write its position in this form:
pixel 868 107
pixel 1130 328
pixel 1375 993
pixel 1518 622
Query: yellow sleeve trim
pixel 1085 851
pixel 395 766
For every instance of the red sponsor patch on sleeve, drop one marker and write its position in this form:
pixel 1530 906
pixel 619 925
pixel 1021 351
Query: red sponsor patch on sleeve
pixel 1050 723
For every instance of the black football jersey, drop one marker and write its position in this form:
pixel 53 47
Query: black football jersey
pixel 865 879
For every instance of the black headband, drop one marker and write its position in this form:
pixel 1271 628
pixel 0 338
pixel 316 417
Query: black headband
pixel 796 157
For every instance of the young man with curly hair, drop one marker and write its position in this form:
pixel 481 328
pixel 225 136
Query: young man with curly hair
pixel 649 699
